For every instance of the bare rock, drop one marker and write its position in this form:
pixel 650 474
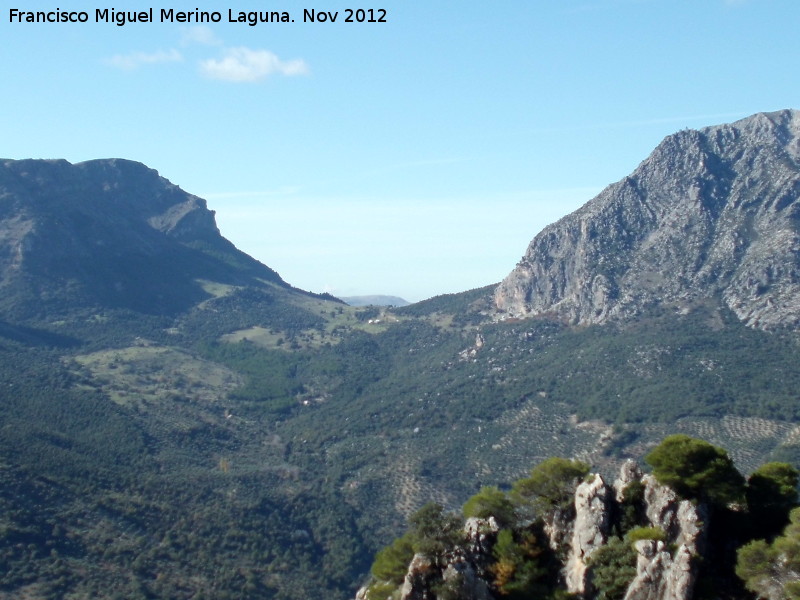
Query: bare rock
pixel 361 594
pixel 462 578
pixel 592 517
pixel 479 533
pixel 659 574
pixel 558 526
pixel 628 473
pixel 710 218
pixel 416 584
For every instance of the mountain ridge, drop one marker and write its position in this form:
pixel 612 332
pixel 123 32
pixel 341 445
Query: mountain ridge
pixel 710 215
pixel 110 232
pixel 237 437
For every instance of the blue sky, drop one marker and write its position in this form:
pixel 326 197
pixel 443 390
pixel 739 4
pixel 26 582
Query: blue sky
pixel 413 157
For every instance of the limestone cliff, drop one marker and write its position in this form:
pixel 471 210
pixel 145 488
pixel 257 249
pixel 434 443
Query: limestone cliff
pixel 712 216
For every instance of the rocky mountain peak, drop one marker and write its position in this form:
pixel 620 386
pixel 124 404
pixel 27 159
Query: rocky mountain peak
pixel 710 215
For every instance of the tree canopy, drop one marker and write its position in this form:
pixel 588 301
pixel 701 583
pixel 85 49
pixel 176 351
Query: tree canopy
pixel 490 502
pixel 771 494
pixel 696 469
pixel 770 570
pixel 552 482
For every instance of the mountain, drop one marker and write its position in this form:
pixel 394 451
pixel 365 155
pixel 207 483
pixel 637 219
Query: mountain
pixel 178 422
pixel 109 233
pixel 377 300
pixel 712 217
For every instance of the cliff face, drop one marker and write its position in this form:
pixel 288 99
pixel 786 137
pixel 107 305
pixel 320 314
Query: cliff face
pixel 711 216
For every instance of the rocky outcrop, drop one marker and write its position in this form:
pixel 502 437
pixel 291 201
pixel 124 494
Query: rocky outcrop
pixel 463 580
pixel 464 571
pixel 712 216
pixel 628 473
pixel 680 519
pixel 416 584
pixel 661 574
pixel 592 520
pixel 665 569
pixel 558 526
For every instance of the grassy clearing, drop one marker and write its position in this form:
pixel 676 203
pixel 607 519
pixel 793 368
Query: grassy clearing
pixel 145 374
pixel 216 289
pixel 340 320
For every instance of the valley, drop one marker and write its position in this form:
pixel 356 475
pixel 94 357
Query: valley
pixel 177 421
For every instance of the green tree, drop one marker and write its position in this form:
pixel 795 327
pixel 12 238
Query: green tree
pixel 632 509
pixel 771 494
pixel 552 483
pixel 391 563
pixel 612 567
pixel 490 502
pixel 696 469
pixel 380 590
pixel 770 570
pixel 518 572
pixel 755 564
pixel 434 531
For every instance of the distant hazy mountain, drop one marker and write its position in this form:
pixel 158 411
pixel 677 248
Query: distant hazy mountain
pixel 712 216
pixel 377 300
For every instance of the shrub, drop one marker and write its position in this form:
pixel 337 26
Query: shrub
pixel 646 533
pixel 770 570
pixel 434 531
pixel 380 590
pixel 632 509
pixel 518 572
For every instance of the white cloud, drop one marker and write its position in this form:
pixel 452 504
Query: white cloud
pixel 137 59
pixel 246 65
pixel 199 34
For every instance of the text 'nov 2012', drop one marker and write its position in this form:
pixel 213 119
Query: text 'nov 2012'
pixel 170 15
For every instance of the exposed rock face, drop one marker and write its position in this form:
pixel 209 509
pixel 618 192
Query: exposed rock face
pixel 463 579
pixel 479 533
pixel 415 585
pixel 575 535
pixel 659 574
pixel 558 527
pixel 711 215
pixel 680 519
pixel 592 520
pixel 628 473
pixel 464 570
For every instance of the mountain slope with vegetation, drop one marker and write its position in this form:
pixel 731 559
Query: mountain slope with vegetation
pixel 176 421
